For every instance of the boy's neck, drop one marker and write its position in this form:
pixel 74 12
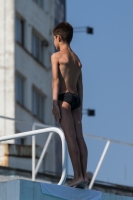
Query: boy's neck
pixel 64 46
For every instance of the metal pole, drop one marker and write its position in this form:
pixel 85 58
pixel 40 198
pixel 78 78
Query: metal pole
pixel 64 154
pixel 34 148
pixel 33 156
pixel 99 164
pixel 43 152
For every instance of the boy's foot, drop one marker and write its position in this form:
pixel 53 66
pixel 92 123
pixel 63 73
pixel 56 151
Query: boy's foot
pixel 80 185
pixel 75 182
pixel 83 184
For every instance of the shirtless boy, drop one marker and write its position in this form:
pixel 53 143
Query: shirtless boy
pixel 68 100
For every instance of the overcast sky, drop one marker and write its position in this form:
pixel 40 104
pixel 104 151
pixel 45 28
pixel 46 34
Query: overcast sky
pixel 107 59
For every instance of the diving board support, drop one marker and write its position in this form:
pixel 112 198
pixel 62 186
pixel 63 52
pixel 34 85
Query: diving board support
pixel 99 164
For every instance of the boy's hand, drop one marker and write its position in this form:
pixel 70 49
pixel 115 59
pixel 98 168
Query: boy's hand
pixel 56 112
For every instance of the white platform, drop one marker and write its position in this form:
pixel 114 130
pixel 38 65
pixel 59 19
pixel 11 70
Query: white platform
pixel 28 190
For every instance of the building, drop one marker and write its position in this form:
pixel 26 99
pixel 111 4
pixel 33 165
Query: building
pixel 26 44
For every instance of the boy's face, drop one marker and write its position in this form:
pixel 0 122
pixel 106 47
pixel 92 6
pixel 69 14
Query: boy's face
pixel 56 41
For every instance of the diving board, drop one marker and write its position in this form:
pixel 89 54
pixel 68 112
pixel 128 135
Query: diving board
pixel 29 190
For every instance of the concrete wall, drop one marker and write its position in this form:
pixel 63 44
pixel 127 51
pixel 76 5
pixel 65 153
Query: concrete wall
pixel 7 49
pixel 18 190
pixel 23 190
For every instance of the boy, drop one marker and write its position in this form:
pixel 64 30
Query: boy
pixel 68 99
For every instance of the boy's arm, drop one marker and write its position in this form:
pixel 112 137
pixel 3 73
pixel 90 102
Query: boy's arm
pixel 55 77
pixel 55 86
pixel 80 89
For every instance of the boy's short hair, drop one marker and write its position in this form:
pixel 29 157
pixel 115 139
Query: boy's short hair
pixel 65 30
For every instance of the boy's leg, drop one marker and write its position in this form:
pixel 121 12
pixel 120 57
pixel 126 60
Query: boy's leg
pixel 76 113
pixel 67 124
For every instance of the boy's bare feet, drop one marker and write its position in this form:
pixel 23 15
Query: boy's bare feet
pixel 76 181
pixel 83 184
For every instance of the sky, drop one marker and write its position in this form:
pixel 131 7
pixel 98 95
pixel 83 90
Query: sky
pixel 107 59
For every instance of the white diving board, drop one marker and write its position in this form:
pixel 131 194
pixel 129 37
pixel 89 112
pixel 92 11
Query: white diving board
pixel 28 190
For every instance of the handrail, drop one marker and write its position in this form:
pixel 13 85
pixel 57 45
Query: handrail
pixel 108 142
pixel 106 139
pixel 40 131
pixel 87 135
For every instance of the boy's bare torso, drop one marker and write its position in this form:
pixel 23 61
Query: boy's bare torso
pixel 69 70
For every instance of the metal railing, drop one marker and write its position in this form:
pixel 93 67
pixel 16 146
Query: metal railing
pixel 42 131
pixel 64 156
pixel 108 142
pixel 36 168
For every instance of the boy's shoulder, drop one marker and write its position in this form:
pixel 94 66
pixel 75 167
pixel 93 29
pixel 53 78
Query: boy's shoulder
pixel 55 55
pixel 58 55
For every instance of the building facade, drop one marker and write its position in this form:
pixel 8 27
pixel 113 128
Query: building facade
pixel 26 44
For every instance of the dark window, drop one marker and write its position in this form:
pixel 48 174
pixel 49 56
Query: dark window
pixel 19 30
pixel 20 89
pixel 38 104
pixel 37 47
pixel 40 3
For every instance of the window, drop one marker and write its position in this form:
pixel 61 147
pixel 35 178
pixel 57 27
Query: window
pixel 44 4
pixel 38 104
pixel 39 2
pixel 59 11
pixel 37 47
pixel 19 30
pixel 20 89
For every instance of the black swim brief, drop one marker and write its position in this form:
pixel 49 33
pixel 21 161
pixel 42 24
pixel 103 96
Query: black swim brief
pixel 71 98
